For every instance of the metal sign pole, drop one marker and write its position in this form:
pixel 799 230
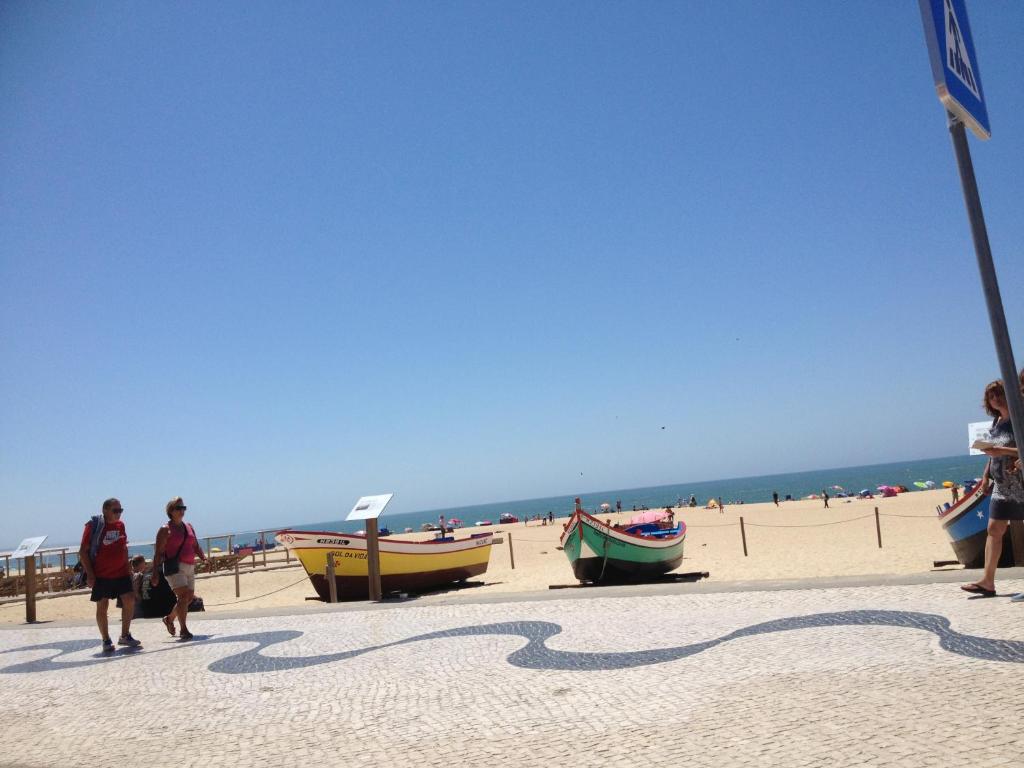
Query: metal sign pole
pixel 993 299
pixel 373 559
pixel 30 589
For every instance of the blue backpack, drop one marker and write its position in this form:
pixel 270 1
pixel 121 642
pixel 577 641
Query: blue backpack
pixel 96 536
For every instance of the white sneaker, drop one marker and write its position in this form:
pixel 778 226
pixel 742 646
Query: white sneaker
pixel 128 640
pixel 1018 598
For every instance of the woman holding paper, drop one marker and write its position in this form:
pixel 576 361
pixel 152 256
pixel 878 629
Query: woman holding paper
pixel 1007 502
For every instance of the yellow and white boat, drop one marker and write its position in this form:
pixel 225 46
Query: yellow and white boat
pixel 405 566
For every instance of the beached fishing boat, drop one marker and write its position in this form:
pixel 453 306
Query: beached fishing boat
pixel 602 553
pixel 405 566
pixel 966 524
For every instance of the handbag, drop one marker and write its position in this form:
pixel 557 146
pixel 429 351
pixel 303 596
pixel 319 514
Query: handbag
pixel 171 565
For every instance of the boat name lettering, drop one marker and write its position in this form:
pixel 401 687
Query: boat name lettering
pixel 332 541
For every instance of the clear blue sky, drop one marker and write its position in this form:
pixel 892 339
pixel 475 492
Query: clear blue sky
pixel 275 256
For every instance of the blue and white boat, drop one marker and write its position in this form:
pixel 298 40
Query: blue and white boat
pixel 966 524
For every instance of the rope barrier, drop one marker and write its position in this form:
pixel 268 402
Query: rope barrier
pixel 770 525
pixel 811 525
pixel 257 597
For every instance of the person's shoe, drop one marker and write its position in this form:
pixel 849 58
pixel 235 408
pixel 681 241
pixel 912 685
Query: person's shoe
pixel 128 640
pixel 186 635
pixel 1018 598
pixel 108 646
pixel 169 623
pixel 977 589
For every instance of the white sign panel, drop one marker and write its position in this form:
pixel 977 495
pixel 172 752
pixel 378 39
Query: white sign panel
pixel 370 507
pixel 978 430
pixel 28 547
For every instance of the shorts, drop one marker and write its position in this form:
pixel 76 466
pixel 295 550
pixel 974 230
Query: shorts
pixel 1005 509
pixel 108 589
pixel 185 577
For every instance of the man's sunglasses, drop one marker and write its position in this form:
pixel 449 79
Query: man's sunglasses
pixel 179 508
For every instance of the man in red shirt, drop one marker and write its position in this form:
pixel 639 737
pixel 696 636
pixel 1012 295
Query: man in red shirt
pixel 104 555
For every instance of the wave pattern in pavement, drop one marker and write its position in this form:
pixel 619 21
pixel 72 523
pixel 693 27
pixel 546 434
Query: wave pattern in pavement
pixel 535 654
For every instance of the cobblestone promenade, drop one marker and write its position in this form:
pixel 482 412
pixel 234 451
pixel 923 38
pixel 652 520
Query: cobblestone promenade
pixel 880 675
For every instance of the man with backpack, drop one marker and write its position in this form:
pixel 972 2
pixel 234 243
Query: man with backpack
pixel 104 556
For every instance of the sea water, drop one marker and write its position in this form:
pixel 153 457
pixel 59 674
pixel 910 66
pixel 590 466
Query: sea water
pixel 748 490
pixel 732 491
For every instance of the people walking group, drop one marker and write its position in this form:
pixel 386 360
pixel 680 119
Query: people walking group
pixel 103 555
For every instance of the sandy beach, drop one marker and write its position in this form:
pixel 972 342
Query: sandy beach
pixel 799 539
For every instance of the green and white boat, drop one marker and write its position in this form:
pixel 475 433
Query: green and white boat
pixel 601 553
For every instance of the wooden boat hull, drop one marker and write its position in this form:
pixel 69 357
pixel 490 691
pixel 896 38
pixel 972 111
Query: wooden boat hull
pixel 601 554
pixel 966 524
pixel 405 566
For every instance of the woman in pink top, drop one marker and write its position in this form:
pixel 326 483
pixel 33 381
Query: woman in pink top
pixel 177 541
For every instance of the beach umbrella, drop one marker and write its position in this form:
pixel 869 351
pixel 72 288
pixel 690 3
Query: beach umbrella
pixel 947 483
pixel 883 487
pixel 606 505
pixel 651 516
pixel 920 484
pixel 864 492
pixel 838 488
pixel 454 520
pixel 929 483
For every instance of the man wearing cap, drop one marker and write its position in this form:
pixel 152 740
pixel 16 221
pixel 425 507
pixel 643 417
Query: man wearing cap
pixel 104 555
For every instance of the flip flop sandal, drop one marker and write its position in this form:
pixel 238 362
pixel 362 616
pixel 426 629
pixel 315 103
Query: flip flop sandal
pixel 169 623
pixel 977 589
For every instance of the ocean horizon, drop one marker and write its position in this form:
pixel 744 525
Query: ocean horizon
pixel 747 490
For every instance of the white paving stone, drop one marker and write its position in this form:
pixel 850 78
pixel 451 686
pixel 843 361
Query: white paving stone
pixel 819 695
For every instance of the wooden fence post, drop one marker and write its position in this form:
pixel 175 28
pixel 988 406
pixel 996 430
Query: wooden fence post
pixel 743 535
pixel 238 586
pixel 332 586
pixel 511 554
pixel 878 528
pixel 263 546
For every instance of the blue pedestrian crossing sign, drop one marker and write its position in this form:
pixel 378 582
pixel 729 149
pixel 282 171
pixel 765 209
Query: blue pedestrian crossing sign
pixel 955 62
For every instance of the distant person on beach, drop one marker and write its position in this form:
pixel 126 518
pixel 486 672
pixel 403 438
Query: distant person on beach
pixel 104 556
pixel 176 550
pixel 1007 501
pixel 618 505
pixel 721 506
pixel 775 498
pixel 824 495
pixel 551 518
pixel 693 501
pixel 955 490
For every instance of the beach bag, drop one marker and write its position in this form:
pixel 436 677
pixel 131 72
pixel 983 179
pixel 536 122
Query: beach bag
pixel 157 601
